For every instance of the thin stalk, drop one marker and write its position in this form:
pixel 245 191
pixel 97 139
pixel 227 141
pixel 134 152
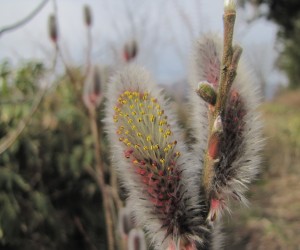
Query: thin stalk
pixel 80 228
pixel 100 178
pixel 89 52
pixel 224 86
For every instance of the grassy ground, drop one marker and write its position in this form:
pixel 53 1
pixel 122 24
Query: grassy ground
pixel 273 219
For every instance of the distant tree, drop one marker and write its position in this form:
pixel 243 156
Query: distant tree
pixel 287 15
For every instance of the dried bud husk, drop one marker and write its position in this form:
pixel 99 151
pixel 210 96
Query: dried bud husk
pixel 218 125
pixel 52 28
pixel 216 209
pixel 87 15
pixel 214 145
pixel 207 93
pixel 92 90
pixel 130 50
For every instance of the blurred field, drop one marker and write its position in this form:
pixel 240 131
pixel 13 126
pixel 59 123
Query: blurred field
pixel 272 220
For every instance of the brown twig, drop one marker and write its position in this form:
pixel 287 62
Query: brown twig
pixel 59 50
pixel 89 52
pixel 185 18
pixel 80 228
pixel 99 171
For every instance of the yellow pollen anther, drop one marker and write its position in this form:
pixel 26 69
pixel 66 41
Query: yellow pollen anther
pixel 168 132
pixel 161 123
pixel 151 117
pixel 139 134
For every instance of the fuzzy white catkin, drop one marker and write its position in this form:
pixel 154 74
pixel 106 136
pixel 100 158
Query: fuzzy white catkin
pixel 184 218
pixel 246 164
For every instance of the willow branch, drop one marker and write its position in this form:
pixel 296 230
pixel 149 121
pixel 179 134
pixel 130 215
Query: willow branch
pixel 230 60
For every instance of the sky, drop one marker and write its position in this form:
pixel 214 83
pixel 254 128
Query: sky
pixel 165 31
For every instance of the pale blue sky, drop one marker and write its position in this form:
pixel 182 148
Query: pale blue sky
pixel 164 31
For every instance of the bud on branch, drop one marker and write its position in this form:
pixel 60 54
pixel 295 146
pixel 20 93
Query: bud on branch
pixel 52 28
pixel 87 15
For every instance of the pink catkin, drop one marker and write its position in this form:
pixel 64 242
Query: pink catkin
pixel 232 142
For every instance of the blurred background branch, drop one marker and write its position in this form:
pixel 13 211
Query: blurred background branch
pixel 25 20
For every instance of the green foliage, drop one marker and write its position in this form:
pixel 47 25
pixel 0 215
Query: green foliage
pixel 285 14
pixel 289 60
pixel 47 199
